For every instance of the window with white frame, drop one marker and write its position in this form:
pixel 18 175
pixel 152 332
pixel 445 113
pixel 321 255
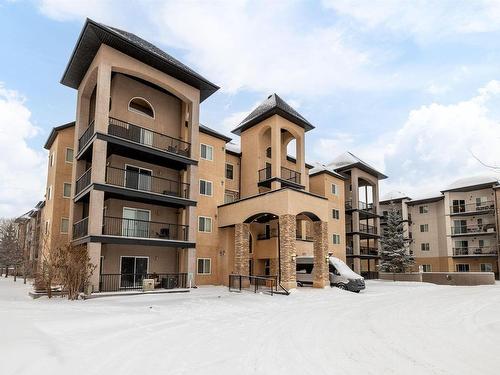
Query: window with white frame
pixel 49 193
pixel 486 267
pixel 426 268
pixel 206 152
pixel 67 190
pixel 206 187
pixel 204 266
pixel 204 224
pixel 64 225
pixel 69 155
pixel 335 214
pixel 335 189
pixel 425 246
pixel 423 209
pixel 462 267
pixel 424 228
pixel 336 239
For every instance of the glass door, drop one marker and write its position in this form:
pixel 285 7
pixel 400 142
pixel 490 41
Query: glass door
pixel 137 178
pixel 133 270
pixel 135 222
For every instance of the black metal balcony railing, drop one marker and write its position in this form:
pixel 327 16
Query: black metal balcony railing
pixel 264 174
pixel 119 226
pixel 145 182
pixel 472 207
pixel 80 228
pixel 290 175
pixel 133 281
pixel 361 206
pixel 366 250
pixel 87 134
pixel 475 251
pixel 286 174
pixel 473 229
pixel 83 181
pixel 299 237
pixel 148 137
pixel 363 228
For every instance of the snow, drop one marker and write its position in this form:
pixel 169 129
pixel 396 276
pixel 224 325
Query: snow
pixel 390 328
pixel 233 147
pixel 472 181
pixel 393 195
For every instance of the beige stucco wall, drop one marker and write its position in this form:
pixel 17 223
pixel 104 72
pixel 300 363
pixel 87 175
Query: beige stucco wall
pixel 58 206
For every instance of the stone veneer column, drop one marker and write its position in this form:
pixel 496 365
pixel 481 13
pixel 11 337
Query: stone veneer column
pixel 287 225
pixel 320 272
pixel 273 266
pixel 241 248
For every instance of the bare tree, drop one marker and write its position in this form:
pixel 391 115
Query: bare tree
pixel 11 253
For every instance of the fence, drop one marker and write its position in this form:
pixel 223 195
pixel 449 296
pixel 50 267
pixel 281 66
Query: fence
pixel 264 284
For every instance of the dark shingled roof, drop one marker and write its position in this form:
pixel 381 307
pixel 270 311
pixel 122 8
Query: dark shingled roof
pixel 53 133
pixel 214 133
pixel 94 34
pixel 273 105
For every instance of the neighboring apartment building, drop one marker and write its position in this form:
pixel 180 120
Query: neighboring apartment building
pixel 156 194
pixel 29 233
pixel 457 229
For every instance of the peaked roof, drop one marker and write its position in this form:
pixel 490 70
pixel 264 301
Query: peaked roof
pixel 348 160
pixel 318 168
pixel 94 34
pixel 472 183
pixel 214 133
pixel 273 105
pixel 53 133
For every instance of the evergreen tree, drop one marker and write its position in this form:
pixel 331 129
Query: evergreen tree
pixel 394 253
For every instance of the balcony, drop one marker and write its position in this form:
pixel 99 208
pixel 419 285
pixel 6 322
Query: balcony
pixel 80 228
pixel 86 136
pixel 364 229
pixel 122 227
pixel 477 208
pixel 148 138
pixel 364 251
pixel 287 177
pixel 472 230
pixel 83 181
pixel 146 182
pixel 366 210
pixel 475 251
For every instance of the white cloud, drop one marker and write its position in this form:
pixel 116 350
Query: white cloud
pixel 21 167
pixel 426 20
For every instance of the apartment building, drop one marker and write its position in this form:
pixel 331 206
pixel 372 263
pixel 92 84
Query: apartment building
pixel 156 194
pixel 29 235
pixel 456 230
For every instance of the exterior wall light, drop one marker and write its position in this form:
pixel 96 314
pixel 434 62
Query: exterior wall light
pixel 294 257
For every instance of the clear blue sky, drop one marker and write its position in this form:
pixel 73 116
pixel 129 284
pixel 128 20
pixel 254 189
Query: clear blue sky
pixel 409 88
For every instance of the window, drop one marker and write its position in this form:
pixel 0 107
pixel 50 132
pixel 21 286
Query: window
pixel 138 178
pixel 462 267
pixel 486 267
pixel 204 224
pixel 267 267
pixel 229 171
pixel 424 228
pixel 206 152
pixel 204 266
pixel 230 197
pixel 481 202
pixel 49 193
pixel 51 160
pixel 385 214
pixel 141 106
pixel 67 190
pixel 425 246
pixel 136 223
pixel 64 225
pixel 46 227
pixel 458 206
pixel 206 187
pixel 335 214
pixel 426 268
pixel 335 189
pixel 268 152
pixel 423 209
pixel 69 155
pixel 336 239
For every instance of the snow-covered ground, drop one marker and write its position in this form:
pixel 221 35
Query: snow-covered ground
pixel 391 328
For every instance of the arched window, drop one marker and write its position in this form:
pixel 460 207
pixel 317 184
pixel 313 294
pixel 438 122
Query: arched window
pixel 141 106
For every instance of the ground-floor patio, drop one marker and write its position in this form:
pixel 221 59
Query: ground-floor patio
pixel 389 328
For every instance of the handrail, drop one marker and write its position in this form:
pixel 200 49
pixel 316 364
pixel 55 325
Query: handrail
pixel 83 181
pixel 148 137
pixel 472 207
pixel 475 228
pixel 476 250
pixel 145 182
pixel 290 175
pixel 80 228
pixel 87 134
pixel 123 227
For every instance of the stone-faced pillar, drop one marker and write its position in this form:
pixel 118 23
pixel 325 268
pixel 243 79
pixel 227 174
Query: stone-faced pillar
pixel 320 270
pixel 241 249
pixel 287 240
pixel 273 266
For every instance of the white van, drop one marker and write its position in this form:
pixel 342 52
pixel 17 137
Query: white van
pixel 341 275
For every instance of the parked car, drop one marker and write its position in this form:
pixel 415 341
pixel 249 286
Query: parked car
pixel 340 274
